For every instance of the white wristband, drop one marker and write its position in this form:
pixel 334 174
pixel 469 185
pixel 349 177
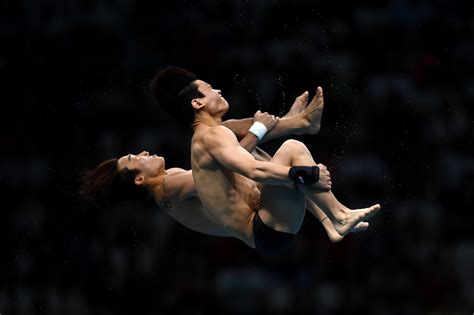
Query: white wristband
pixel 258 129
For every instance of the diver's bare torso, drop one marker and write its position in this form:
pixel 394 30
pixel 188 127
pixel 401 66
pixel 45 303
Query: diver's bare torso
pixel 177 196
pixel 228 197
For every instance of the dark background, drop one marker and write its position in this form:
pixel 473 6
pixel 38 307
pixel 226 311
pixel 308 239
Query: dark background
pixel 397 130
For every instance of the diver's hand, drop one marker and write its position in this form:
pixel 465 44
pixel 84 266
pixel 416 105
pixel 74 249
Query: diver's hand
pixel 265 118
pixel 324 182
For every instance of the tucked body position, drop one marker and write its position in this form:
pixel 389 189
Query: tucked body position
pixel 234 189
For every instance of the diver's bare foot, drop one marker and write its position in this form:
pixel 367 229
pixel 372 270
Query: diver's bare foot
pixel 336 237
pixel 361 226
pixel 298 106
pixel 349 219
pixel 314 112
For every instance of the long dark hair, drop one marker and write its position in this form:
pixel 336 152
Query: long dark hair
pixel 106 185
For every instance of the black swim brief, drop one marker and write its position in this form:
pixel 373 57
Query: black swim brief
pixel 269 242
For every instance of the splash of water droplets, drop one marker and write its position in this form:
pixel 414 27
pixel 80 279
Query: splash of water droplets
pixel 282 107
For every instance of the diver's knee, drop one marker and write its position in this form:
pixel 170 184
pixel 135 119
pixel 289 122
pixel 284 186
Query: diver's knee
pixel 296 148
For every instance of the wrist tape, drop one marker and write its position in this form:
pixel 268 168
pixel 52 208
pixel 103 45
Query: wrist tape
pixel 258 129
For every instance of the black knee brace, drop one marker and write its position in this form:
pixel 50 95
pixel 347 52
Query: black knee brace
pixel 304 175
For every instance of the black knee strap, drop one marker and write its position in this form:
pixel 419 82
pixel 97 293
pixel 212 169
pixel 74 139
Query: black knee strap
pixel 304 175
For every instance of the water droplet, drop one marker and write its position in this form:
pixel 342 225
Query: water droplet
pixel 283 95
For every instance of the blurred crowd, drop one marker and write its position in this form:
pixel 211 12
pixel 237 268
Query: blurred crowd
pixel 398 78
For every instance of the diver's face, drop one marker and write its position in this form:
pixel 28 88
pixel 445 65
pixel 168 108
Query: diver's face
pixel 213 99
pixel 148 165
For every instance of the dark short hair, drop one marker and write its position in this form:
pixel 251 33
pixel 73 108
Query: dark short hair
pixel 173 88
pixel 105 185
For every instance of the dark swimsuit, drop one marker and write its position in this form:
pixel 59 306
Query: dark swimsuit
pixel 269 242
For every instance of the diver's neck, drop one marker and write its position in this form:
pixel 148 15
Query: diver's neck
pixel 207 119
pixel 157 187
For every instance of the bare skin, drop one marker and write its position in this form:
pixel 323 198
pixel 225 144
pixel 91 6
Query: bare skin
pixel 302 118
pixel 179 199
pixel 226 177
pixel 173 189
pixel 299 106
pixel 333 235
pixel 314 113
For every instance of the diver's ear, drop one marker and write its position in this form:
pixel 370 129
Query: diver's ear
pixel 139 179
pixel 197 104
